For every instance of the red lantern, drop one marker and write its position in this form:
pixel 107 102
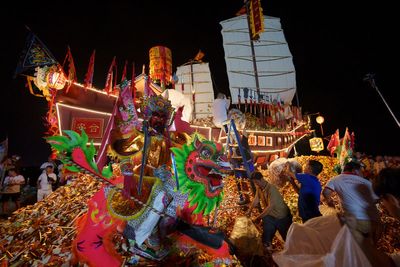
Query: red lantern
pixel 56 79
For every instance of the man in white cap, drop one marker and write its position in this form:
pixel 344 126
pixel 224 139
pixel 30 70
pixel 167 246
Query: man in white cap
pixel 45 181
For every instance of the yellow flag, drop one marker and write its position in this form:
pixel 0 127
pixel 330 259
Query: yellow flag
pixel 199 56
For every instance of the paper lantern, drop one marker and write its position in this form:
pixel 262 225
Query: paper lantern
pixel 320 119
pixel 56 79
pixel 160 64
pixel 316 144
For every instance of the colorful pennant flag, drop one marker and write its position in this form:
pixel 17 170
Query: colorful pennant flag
pixel 101 159
pixel 239 99
pixel 109 81
pixel 199 56
pixel 334 142
pixel 133 87
pixel 89 75
pixel 147 90
pixel 242 11
pixel 3 155
pixel 256 19
pixel 35 54
pixel 346 142
pixel 71 69
pixel 346 150
pixel 3 149
pixel 124 71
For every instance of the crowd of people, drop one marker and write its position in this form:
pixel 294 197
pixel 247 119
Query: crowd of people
pixel 364 182
pixel 371 166
pixel 19 186
pixel 359 189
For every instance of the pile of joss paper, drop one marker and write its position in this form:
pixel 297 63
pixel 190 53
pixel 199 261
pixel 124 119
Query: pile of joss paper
pixel 42 234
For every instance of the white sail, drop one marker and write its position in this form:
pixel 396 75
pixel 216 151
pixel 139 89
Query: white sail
pixel 276 72
pixel 195 79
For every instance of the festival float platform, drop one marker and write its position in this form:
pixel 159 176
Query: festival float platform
pixel 105 213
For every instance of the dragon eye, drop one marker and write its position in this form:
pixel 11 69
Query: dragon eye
pixel 80 247
pixel 98 243
pixel 205 153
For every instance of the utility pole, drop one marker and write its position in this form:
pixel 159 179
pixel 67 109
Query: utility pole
pixel 370 78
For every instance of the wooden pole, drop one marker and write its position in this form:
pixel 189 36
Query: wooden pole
pixel 370 78
pixel 253 54
pixel 193 89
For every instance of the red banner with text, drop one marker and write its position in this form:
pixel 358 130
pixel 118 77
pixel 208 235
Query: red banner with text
pixel 256 19
pixel 92 126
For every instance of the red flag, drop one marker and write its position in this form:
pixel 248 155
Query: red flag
pixel 172 80
pixel 352 140
pixel 242 11
pixel 147 90
pixel 71 68
pixel 346 142
pixel 109 81
pixel 133 88
pixel 334 142
pixel 3 149
pixel 124 71
pixel 101 159
pixel 89 75
pixel 199 56
pixel 346 146
pixel 239 98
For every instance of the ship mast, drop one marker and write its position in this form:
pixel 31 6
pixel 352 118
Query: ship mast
pixel 193 90
pixel 253 53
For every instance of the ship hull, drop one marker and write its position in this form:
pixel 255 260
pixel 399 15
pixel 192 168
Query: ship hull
pixel 265 145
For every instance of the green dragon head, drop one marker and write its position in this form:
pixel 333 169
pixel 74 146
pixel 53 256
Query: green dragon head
pixel 199 165
pixel 75 154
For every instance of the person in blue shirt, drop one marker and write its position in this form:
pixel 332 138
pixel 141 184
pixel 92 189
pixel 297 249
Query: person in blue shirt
pixel 309 190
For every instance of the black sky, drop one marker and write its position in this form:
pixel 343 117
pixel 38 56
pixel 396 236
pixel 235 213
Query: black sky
pixel 333 46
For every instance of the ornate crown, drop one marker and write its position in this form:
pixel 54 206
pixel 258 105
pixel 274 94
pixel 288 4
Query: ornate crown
pixel 156 104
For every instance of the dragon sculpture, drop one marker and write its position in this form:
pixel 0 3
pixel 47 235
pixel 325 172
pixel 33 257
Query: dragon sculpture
pixel 199 166
pixel 96 227
pixel 181 189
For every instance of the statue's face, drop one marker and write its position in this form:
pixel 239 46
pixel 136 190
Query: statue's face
pixel 158 121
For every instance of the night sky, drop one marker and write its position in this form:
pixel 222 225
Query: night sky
pixel 333 46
